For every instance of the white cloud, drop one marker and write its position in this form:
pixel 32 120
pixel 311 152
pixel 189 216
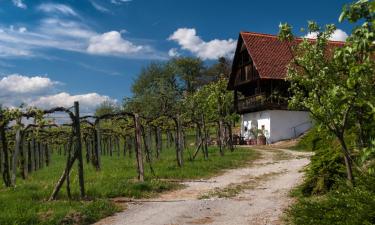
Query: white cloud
pixel 188 40
pixel 111 43
pixel 87 102
pixel 69 35
pixel 41 91
pixel 338 35
pixel 6 51
pixel 19 4
pixel 18 84
pixel 22 29
pixel 119 2
pixel 99 7
pixel 173 52
pixel 57 8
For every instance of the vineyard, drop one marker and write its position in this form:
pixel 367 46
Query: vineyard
pixel 117 153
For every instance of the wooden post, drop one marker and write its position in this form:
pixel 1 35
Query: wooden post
pixel 16 152
pixel 65 175
pixel 41 155
pixel 220 137
pixel 24 158
pixel 205 138
pixel 47 154
pixel 178 141
pixel 138 148
pixel 97 138
pixel 77 128
pixel 230 137
pixel 36 155
pixel 30 157
pixel 158 141
pixel 4 145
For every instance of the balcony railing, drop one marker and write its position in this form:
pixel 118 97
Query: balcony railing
pixel 261 101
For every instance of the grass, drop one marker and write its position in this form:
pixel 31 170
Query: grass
pixel 26 203
pixel 234 189
pixel 345 205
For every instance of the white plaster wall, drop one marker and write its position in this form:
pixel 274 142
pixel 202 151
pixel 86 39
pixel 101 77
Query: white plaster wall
pixel 278 123
pixel 262 117
pixel 288 124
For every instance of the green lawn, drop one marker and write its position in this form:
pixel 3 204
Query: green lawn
pixel 26 203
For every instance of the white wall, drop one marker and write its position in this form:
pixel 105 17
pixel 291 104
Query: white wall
pixel 288 124
pixel 262 117
pixel 279 124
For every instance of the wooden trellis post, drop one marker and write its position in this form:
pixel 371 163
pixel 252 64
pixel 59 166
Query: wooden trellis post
pixel 138 148
pixel 77 128
pixel 179 142
pixel 17 150
pixel 4 145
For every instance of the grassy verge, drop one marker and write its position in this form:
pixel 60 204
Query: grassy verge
pixel 324 197
pixel 26 203
pixel 344 205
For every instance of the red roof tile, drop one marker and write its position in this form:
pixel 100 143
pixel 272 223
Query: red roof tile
pixel 270 55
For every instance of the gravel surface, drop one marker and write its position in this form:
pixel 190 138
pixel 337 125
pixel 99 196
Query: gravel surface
pixel 262 202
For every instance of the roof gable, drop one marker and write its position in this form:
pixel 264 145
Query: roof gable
pixel 270 55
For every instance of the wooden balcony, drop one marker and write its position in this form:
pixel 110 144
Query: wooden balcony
pixel 260 102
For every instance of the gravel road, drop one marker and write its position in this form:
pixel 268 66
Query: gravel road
pixel 256 194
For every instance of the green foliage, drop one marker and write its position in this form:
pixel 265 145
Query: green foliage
pixel 336 85
pixel 212 100
pixel 156 91
pixel 326 168
pixel 347 205
pixel 191 71
pixel 26 203
pixel 327 165
pixel 106 107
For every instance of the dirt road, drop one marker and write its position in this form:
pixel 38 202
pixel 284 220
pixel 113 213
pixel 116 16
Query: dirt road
pixel 256 194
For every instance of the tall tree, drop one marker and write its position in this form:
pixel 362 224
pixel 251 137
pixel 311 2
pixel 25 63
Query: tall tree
pixel 334 83
pixel 190 70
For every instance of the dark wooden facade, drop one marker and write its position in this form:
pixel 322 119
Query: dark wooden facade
pixel 253 93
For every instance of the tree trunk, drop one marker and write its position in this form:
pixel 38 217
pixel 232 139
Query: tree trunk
pixel 47 154
pixel 77 131
pixel 97 146
pixel 138 148
pixel 16 152
pixel 158 141
pixel 24 159
pixel 178 140
pixel 348 161
pixel 68 167
pixel 230 133
pixel 4 145
pixel 205 133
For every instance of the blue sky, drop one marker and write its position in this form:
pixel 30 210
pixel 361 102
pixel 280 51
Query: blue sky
pixel 53 52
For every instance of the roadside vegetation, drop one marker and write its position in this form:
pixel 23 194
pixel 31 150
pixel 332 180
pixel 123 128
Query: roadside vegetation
pixel 336 85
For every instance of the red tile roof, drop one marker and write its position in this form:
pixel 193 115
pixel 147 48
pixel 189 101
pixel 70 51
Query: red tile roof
pixel 270 55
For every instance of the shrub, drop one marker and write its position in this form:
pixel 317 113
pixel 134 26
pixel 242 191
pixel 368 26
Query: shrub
pixel 327 164
pixel 346 205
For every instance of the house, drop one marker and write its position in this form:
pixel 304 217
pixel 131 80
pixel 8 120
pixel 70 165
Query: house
pixel 258 79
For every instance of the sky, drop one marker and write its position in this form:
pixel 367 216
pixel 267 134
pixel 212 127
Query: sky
pixel 55 52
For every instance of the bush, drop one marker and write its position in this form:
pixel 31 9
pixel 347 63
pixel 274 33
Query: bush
pixel 326 168
pixel 345 205
pixel 327 164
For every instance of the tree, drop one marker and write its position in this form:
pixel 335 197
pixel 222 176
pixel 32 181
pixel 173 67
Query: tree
pixel 190 71
pixel 220 69
pixel 106 107
pixel 334 83
pixel 156 91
